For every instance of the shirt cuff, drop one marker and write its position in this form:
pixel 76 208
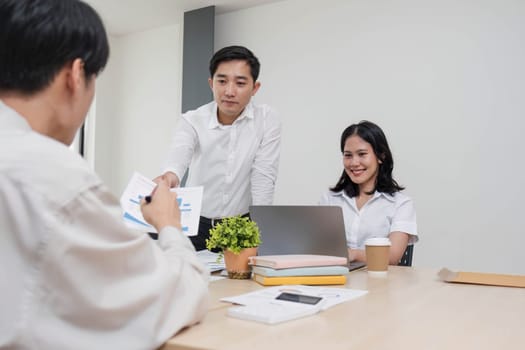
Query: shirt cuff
pixel 170 236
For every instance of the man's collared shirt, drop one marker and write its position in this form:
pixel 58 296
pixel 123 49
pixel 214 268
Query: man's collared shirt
pixel 71 274
pixel 237 164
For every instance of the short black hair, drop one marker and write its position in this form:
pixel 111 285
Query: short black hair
pixel 38 37
pixel 231 53
pixel 375 136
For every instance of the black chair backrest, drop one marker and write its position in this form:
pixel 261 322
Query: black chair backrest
pixel 406 259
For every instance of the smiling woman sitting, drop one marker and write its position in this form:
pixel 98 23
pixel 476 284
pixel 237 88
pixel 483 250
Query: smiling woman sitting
pixel 372 202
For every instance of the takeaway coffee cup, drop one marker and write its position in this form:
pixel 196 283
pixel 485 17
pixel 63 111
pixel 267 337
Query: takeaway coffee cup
pixel 377 250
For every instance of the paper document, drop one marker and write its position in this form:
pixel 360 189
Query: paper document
pixel 189 199
pixel 331 296
pixel 210 260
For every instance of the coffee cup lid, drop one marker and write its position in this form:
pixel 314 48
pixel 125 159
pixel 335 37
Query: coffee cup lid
pixel 378 241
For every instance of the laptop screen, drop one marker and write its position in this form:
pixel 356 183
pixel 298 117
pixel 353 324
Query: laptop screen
pixel 300 229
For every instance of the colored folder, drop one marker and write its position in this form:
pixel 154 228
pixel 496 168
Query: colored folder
pixel 309 280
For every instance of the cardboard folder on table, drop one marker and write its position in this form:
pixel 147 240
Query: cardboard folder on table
pixel 492 279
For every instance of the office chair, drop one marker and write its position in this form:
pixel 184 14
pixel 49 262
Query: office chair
pixel 406 259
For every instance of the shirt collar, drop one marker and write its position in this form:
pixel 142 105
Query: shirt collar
pixel 247 113
pixel 12 118
pixel 387 196
pixel 376 195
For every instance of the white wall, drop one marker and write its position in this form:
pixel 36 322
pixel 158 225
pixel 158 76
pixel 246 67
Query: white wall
pixel 138 103
pixel 444 78
pixel 446 81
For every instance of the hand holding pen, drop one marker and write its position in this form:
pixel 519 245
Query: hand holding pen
pixel 160 208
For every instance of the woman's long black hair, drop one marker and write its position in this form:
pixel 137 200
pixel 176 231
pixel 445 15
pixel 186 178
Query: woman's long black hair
pixel 372 134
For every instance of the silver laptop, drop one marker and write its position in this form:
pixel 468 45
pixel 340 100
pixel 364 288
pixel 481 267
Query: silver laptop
pixel 301 229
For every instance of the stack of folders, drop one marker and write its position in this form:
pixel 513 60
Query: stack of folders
pixel 273 270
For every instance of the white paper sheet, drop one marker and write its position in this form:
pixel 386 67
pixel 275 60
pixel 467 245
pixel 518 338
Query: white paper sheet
pixel 189 198
pixel 210 260
pixel 331 296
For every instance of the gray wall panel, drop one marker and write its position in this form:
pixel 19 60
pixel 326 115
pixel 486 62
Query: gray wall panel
pixel 199 27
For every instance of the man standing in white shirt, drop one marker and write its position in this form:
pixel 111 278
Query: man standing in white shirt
pixel 232 144
pixel 72 275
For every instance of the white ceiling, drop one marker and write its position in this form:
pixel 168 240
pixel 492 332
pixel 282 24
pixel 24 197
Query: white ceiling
pixel 123 17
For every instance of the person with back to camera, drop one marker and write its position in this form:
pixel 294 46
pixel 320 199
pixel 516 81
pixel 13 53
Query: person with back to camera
pixel 232 144
pixel 372 203
pixel 72 275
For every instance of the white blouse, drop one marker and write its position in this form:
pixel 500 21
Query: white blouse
pixel 380 216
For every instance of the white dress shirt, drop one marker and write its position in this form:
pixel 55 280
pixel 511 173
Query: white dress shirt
pixel 72 275
pixel 380 216
pixel 237 164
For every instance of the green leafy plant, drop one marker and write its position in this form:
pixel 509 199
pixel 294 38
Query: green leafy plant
pixel 234 233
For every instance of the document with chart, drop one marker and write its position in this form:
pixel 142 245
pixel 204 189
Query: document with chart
pixel 283 303
pixel 189 199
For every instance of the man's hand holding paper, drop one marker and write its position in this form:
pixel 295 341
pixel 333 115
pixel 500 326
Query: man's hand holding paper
pixel 188 201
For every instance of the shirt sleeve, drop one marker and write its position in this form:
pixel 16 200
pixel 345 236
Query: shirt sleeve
pixel 181 149
pixel 404 219
pixel 103 277
pixel 325 199
pixel 266 162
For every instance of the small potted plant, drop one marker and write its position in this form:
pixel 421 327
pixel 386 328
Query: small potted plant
pixel 238 238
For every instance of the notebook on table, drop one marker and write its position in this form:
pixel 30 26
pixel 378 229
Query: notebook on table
pixel 301 229
pixel 287 261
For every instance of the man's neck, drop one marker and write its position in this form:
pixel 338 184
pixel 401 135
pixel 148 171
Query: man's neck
pixel 36 109
pixel 225 119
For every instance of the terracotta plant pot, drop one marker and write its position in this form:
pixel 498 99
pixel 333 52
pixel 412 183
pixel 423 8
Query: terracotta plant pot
pixel 237 264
